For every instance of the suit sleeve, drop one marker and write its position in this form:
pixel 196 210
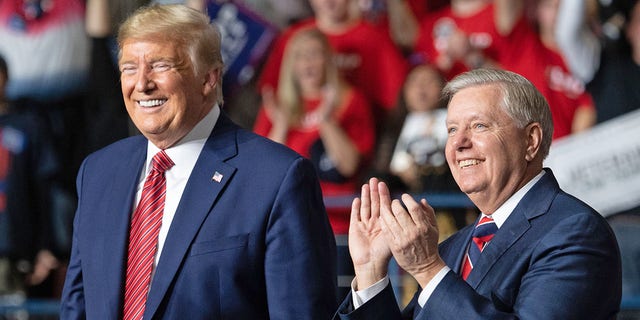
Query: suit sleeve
pixel 574 273
pixel 72 304
pixel 300 256
pixel 381 307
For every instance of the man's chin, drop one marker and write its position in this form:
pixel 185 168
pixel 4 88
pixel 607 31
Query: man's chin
pixel 468 188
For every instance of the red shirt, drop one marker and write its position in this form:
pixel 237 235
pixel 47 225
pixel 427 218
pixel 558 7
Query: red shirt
pixel 565 94
pixel 547 70
pixel 480 27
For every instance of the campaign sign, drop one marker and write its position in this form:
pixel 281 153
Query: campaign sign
pixel 601 166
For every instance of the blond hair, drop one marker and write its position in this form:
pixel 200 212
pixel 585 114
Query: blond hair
pixel 289 93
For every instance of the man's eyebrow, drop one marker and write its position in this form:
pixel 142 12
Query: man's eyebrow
pixel 162 59
pixel 121 62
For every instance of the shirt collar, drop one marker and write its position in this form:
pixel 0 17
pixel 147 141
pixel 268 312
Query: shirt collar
pixel 504 211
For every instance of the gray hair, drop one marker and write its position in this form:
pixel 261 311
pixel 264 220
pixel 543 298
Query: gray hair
pixel 520 99
pixel 182 26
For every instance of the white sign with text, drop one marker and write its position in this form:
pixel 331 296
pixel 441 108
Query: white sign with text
pixel 601 166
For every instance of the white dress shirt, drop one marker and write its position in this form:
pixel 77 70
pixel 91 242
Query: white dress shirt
pixel 499 217
pixel 184 155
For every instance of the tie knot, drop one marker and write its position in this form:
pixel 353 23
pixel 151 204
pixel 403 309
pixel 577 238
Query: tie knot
pixel 161 162
pixel 485 227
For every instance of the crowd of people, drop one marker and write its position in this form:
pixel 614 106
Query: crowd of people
pixel 352 86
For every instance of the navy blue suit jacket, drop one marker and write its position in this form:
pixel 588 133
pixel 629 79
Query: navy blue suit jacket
pixel 255 245
pixel 553 258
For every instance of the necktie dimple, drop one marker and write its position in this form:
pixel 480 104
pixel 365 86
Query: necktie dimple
pixel 482 234
pixel 143 237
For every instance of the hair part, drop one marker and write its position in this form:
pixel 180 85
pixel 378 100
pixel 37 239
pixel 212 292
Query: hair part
pixel 520 99
pixel 183 27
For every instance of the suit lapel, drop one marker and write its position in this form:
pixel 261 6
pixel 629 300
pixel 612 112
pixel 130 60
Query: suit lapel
pixel 116 220
pixel 535 203
pixel 200 193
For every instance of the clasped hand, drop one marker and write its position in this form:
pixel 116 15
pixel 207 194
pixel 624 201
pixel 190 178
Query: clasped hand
pixel 381 227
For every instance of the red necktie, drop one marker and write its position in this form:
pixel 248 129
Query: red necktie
pixel 143 237
pixel 482 234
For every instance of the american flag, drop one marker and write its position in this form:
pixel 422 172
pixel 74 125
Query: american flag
pixel 217 177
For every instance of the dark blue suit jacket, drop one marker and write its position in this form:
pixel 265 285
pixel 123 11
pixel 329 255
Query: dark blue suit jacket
pixel 553 258
pixel 255 245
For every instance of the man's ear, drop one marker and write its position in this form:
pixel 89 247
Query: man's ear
pixel 534 140
pixel 211 81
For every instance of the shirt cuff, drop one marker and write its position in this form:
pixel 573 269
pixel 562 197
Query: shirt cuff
pixel 431 286
pixel 361 297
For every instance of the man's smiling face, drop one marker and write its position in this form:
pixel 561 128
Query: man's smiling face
pixel 164 97
pixel 486 151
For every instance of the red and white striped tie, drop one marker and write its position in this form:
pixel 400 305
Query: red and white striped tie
pixel 482 234
pixel 143 237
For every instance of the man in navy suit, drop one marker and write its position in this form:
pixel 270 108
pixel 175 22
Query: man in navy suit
pixel 552 256
pixel 244 233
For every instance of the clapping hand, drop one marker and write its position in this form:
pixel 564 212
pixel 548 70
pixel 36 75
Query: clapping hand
pixel 329 102
pixel 381 227
pixel 411 233
pixel 367 244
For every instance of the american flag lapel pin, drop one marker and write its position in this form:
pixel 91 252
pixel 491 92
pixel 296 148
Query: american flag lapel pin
pixel 217 177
